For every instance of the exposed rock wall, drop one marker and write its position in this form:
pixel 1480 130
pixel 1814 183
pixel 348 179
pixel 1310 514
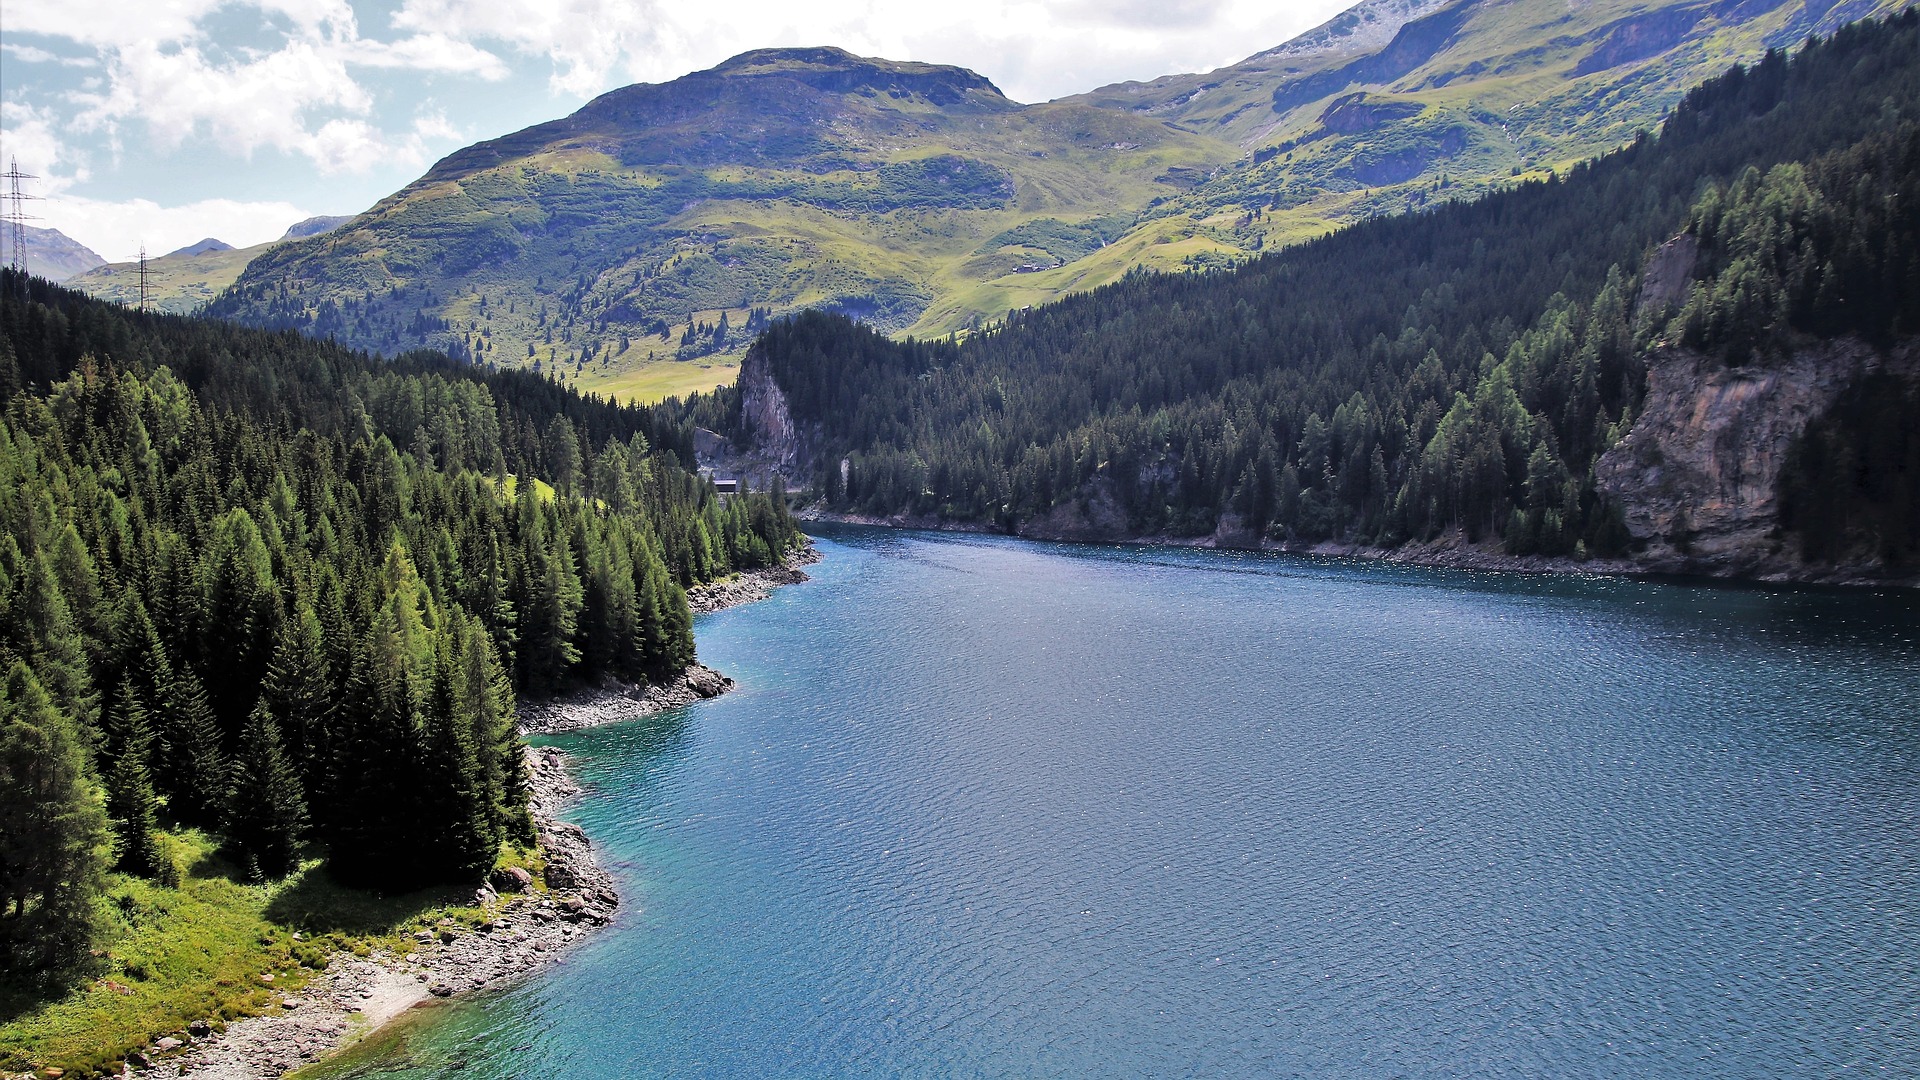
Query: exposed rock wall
pixel 766 420
pixel 1697 477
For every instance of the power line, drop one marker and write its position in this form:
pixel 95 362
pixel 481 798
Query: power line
pixel 16 216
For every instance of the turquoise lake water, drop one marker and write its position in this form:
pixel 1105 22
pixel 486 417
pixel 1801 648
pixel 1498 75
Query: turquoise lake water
pixel 985 808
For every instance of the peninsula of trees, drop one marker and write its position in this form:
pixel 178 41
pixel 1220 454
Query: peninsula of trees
pixel 288 593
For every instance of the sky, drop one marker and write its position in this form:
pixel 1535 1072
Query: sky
pixel 159 122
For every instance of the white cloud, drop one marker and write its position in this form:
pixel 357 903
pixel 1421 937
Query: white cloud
pixel 27 135
pixel 428 52
pixel 109 23
pixel 31 54
pixel 1033 50
pixel 117 229
pixel 265 102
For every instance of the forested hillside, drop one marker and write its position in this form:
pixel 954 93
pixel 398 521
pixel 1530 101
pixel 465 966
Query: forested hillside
pixel 1460 368
pixel 287 594
pixel 638 245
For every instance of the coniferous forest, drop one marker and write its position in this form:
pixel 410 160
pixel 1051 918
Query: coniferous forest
pixel 1460 368
pixel 289 594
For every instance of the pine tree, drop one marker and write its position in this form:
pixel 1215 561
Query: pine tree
pixel 368 827
pixel 193 762
pixel 131 802
pixel 266 811
pixel 298 692
pixel 454 816
pixel 54 842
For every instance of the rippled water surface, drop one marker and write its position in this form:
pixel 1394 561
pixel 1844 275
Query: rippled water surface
pixel 983 808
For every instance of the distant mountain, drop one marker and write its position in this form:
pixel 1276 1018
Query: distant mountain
pixel 185 280
pixel 667 222
pixel 1461 98
pixel 314 226
pixel 201 247
pixel 51 254
pixel 180 282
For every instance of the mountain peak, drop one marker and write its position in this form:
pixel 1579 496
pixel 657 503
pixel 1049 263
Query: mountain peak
pixel 764 106
pixel 202 247
pixel 839 71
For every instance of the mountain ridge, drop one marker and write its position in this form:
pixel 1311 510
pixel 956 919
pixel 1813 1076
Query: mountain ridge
pixel 634 245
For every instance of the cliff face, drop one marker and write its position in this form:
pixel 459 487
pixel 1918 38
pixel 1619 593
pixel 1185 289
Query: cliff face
pixel 768 443
pixel 1697 477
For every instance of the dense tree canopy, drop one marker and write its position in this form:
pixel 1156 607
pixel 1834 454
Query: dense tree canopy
pixel 289 593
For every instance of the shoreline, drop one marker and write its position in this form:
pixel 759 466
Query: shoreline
pixel 1449 551
pixel 525 932
pixel 357 995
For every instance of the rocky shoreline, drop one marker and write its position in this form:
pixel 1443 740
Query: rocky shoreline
pixel 613 700
pixel 524 930
pixel 1449 551
pixel 751 586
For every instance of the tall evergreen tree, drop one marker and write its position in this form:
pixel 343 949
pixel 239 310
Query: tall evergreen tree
pixel 451 803
pixel 266 811
pixel 54 842
pixel 131 802
pixel 193 769
pixel 298 691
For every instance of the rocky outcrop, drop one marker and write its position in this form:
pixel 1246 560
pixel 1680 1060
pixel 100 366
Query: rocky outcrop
pixel 614 700
pixel 1697 477
pixel 1668 274
pixel 751 586
pixel 765 418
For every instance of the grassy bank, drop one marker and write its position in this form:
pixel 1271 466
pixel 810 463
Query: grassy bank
pixel 213 948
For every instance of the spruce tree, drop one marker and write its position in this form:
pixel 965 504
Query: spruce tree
pixel 454 815
pixel 298 691
pixel 54 843
pixel 130 798
pixel 266 811
pixel 369 827
pixel 193 764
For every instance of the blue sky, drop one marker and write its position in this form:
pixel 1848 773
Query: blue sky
pixel 158 122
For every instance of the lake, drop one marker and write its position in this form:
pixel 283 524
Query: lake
pixel 988 808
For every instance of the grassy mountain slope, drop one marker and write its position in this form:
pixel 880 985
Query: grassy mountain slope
pixel 1464 97
pixel 636 245
pixel 660 222
pixel 177 284
pixel 184 281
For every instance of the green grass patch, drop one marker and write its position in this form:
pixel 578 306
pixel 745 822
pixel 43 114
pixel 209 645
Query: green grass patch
pixel 168 956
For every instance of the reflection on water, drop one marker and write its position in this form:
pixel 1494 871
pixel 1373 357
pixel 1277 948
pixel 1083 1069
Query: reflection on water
pixel 986 808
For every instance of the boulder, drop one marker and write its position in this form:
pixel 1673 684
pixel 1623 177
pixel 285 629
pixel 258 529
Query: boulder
pixel 511 879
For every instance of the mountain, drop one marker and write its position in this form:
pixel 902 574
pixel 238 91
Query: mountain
pixel 51 253
pixel 667 221
pixel 207 246
pixel 314 226
pixel 1699 353
pixel 183 281
pixel 1462 98
pixel 180 282
pixel 636 245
